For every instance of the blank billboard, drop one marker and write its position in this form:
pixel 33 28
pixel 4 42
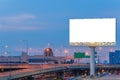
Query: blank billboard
pixel 92 32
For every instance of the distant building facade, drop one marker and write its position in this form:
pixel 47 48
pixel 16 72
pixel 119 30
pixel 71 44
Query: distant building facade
pixel 14 59
pixel 114 57
pixel 47 57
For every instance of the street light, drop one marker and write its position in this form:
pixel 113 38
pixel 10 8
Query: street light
pixel 24 51
pixel 87 54
pixel 66 52
pixel 5 53
pixel 9 57
pixel 26 44
pixel 8 60
pixel 26 41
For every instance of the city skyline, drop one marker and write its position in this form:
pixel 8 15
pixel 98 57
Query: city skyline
pixel 45 23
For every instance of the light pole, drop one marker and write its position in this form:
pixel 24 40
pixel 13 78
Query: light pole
pixel 87 54
pixel 27 46
pixel 8 60
pixel 25 52
pixel 66 52
pixel 6 52
pixel 10 75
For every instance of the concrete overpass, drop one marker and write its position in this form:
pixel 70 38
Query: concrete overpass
pixel 35 69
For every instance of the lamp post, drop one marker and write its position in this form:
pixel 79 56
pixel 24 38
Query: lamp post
pixel 66 52
pixel 26 51
pixel 86 54
pixel 10 65
pixel 26 45
pixel 6 52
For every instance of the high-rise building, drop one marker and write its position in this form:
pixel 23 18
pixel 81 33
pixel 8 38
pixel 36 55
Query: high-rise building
pixel 114 57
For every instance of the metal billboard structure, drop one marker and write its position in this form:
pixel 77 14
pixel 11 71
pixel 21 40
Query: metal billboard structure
pixel 92 33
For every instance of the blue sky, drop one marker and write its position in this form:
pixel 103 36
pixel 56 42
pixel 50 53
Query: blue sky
pixel 43 22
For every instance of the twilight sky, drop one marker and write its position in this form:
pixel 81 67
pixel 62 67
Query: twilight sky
pixel 44 23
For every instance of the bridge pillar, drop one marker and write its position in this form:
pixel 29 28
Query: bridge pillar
pixel 76 72
pixel 60 75
pixel 30 78
pixel 92 61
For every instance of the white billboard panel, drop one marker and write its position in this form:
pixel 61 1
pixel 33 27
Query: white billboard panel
pixel 92 32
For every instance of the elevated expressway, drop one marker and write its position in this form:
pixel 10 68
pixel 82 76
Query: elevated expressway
pixel 35 69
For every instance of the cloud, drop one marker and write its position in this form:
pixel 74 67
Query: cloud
pixel 18 18
pixel 19 28
pixel 22 22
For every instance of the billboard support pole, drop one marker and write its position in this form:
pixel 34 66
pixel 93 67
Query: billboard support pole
pixel 92 61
